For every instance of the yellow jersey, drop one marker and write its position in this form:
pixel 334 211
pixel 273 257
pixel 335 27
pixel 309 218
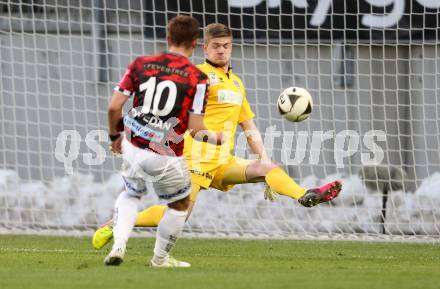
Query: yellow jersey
pixel 226 107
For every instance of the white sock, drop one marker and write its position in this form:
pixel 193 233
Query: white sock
pixel 126 208
pixel 169 229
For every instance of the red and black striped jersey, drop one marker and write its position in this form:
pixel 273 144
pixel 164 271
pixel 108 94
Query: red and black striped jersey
pixel 165 88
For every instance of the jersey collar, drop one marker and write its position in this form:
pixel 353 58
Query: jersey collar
pixel 216 66
pixel 174 54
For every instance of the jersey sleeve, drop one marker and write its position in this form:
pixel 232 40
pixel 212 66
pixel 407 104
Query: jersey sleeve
pixel 200 96
pixel 246 112
pixel 127 84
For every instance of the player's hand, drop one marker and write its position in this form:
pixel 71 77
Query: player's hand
pixel 116 146
pixel 269 194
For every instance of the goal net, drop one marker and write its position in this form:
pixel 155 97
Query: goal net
pixel 372 67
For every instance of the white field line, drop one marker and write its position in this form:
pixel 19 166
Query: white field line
pixel 37 250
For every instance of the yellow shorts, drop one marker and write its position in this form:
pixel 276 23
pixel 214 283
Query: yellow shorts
pixel 211 174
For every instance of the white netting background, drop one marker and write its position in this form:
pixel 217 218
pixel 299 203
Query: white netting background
pixel 60 60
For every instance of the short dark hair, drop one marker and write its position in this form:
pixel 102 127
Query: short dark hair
pixel 217 30
pixel 183 30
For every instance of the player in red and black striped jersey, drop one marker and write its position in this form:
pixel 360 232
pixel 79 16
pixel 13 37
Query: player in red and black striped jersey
pixel 165 89
pixel 169 97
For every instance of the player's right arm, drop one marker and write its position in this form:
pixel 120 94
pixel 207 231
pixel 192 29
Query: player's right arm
pixel 114 118
pixel 122 92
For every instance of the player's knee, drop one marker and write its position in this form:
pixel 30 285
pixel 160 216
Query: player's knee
pixel 265 167
pixel 181 205
pixel 260 169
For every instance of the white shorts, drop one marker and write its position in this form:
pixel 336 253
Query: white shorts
pixel 168 175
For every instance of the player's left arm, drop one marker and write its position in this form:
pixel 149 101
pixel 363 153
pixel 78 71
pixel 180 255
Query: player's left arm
pixel 253 135
pixel 254 139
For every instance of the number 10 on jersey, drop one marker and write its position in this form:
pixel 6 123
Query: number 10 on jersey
pixel 153 94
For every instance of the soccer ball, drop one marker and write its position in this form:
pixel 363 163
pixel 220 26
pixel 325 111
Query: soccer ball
pixel 295 104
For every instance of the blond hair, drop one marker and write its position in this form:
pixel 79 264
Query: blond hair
pixel 216 30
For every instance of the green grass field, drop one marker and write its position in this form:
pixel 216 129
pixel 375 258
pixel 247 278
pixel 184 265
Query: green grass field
pixel 28 262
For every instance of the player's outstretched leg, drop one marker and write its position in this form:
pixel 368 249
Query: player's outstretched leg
pixel 280 182
pixel 322 194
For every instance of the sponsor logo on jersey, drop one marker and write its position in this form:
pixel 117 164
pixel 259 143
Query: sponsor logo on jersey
pixel 143 131
pixel 157 123
pixel 229 96
pixel 166 69
pixel 152 121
